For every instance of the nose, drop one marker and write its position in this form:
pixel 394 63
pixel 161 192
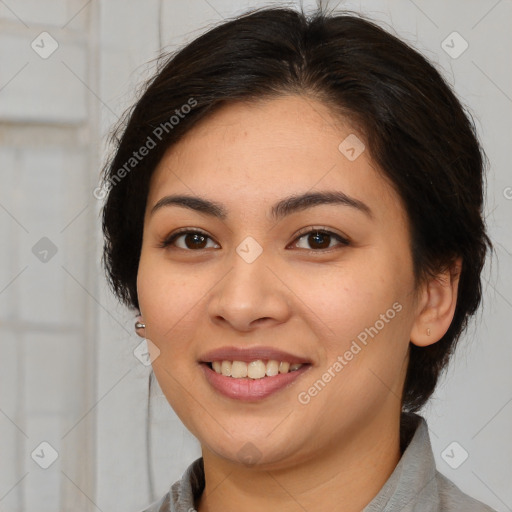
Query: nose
pixel 250 295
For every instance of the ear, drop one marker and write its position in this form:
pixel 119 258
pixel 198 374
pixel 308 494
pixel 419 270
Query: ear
pixel 436 306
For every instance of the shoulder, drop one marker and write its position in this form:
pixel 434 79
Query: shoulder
pixel 161 505
pixel 452 499
pixel 181 495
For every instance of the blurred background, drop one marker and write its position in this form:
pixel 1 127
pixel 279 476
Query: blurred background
pixel 73 388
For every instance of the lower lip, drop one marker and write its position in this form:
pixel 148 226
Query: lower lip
pixel 250 389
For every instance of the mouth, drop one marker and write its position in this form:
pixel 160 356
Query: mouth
pixel 251 374
pixel 257 369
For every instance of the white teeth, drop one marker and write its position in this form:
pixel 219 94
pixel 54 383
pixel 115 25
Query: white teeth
pixel 272 368
pixel 238 369
pixel 226 368
pixel 256 369
pixel 284 367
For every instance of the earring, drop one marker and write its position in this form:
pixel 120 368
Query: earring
pixel 139 324
pixel 428 331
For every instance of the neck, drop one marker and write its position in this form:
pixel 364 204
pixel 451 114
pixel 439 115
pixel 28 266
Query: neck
pixel 349 474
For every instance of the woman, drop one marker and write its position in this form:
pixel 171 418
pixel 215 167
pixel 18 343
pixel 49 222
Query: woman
pixel 295 210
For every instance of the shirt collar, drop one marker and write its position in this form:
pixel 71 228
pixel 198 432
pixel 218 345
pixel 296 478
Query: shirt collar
pixel 413 483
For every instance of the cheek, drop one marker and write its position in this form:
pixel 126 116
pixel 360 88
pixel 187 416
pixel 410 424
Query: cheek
pixel 346 299
pixel 167 301
pixel 162 286
pixel 362 319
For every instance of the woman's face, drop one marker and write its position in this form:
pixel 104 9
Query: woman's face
pixel 256 285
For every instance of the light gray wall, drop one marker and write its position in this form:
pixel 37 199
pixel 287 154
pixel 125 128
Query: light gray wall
pixel 68 375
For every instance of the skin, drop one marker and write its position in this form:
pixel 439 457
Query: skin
pixel 343 444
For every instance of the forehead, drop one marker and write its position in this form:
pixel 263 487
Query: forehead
pixel 250 153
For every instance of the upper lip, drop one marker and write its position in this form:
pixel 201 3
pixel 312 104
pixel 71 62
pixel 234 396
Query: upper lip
pixel 248 354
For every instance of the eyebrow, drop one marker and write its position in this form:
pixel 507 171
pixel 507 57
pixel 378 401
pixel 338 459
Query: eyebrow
pixel 281 209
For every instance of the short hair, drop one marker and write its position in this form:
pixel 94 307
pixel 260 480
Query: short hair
pixel 414 127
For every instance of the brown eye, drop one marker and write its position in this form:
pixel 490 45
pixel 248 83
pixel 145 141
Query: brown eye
pixel 188 240
pixel 319 240
pixel 194 240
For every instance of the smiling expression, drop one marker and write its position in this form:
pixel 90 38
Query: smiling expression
pixel 297 251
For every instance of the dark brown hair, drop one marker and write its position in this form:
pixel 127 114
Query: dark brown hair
pixel 416 130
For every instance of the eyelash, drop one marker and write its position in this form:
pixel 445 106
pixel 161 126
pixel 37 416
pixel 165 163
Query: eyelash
pixel 323 231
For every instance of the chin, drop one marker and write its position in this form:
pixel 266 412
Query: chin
pixel 253 451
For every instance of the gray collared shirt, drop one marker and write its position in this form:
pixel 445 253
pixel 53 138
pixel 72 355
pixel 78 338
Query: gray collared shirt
pixel 414 486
